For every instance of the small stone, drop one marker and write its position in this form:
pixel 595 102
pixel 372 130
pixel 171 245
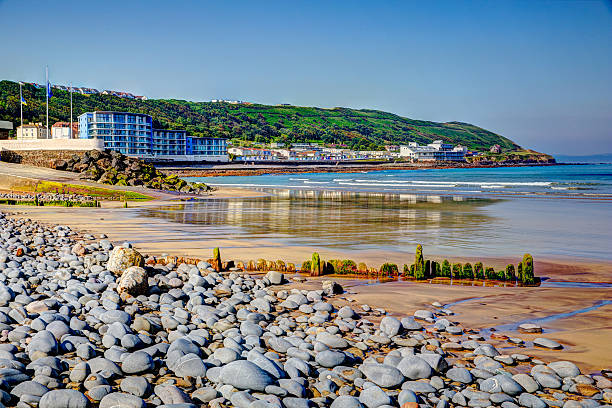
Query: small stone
pixel 530 328
pixel 547 343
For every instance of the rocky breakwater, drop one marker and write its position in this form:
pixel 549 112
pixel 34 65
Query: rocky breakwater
pixel 84 323
pixel 111 167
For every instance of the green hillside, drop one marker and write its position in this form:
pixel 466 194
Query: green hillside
pixel 356 128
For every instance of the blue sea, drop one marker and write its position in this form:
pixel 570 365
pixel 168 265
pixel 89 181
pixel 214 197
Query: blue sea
pixel 572 181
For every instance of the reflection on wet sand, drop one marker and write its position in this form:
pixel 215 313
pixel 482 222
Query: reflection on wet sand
pixel 353 221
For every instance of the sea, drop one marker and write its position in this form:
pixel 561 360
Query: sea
pixel 550 211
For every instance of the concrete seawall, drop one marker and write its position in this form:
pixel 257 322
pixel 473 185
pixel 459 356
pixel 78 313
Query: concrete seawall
pixel 52 144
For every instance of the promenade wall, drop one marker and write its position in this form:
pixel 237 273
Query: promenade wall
pixel 52 144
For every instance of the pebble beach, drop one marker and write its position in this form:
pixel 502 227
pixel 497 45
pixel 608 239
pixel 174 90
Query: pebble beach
pixel 86 322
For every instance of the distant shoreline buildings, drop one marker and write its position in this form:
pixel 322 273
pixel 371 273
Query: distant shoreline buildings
pixel 436 151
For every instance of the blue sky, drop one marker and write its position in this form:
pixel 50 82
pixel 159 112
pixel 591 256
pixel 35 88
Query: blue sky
pixel 538 72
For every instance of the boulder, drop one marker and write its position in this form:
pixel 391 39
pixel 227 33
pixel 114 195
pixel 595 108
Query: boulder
pixel 133 281
pixel 122 258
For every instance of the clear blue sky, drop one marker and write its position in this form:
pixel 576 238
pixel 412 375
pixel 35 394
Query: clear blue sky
pixel 539 72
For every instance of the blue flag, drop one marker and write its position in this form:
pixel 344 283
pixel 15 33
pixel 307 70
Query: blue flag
pixel 23 101
pixel 49 93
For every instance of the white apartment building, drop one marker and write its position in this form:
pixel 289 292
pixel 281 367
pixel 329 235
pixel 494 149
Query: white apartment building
pixel 436 151
pixel 32 131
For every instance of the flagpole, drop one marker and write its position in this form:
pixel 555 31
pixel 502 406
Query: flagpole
pixel 70 133
pixel 47 92
pixel 21 103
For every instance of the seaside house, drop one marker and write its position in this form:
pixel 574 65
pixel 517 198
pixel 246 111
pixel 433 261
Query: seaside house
pixel 32 131
pixel 436 151
pixel 252 154
pixel 61 130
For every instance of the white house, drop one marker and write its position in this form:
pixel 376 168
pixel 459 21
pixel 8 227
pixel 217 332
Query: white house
pixel 436 151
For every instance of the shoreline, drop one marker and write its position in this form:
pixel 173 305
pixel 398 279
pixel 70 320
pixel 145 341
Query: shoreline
pixel 236 169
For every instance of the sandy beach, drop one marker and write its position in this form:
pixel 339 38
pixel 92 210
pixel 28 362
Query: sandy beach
pixel 585 336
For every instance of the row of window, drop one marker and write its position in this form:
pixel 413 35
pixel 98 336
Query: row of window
pixel 117 126
pixel 119 118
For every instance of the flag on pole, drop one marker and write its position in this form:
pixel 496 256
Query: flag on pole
pixel 23 101
pixel 49 93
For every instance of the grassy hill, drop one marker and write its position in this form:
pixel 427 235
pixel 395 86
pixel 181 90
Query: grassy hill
pixel 356 128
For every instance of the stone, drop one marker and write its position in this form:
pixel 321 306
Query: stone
pixel 373 397
pixel 547 343
pixel 390 326
pixel 275 278
pixel 530 328
pixel 346 401
pixel 189 365
pixel 29 388
pixel 382 375
pixel 547 380
pixel 531 401
pixel 133 282
pixel 43 342
pixel 347 313
pixel 331 340
pixel 137 362
pixel 171 394
pixel 414 368
pixel 330 358
pixel 138 386
pixel 122 400
pixel 423 315
pixel 245 375
pixel 64 399
pixel 565 369
pixel 122 258
pixel 459 374
pixel 528 383
pixel 501 383
pixel 408 323
pixel 419 387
